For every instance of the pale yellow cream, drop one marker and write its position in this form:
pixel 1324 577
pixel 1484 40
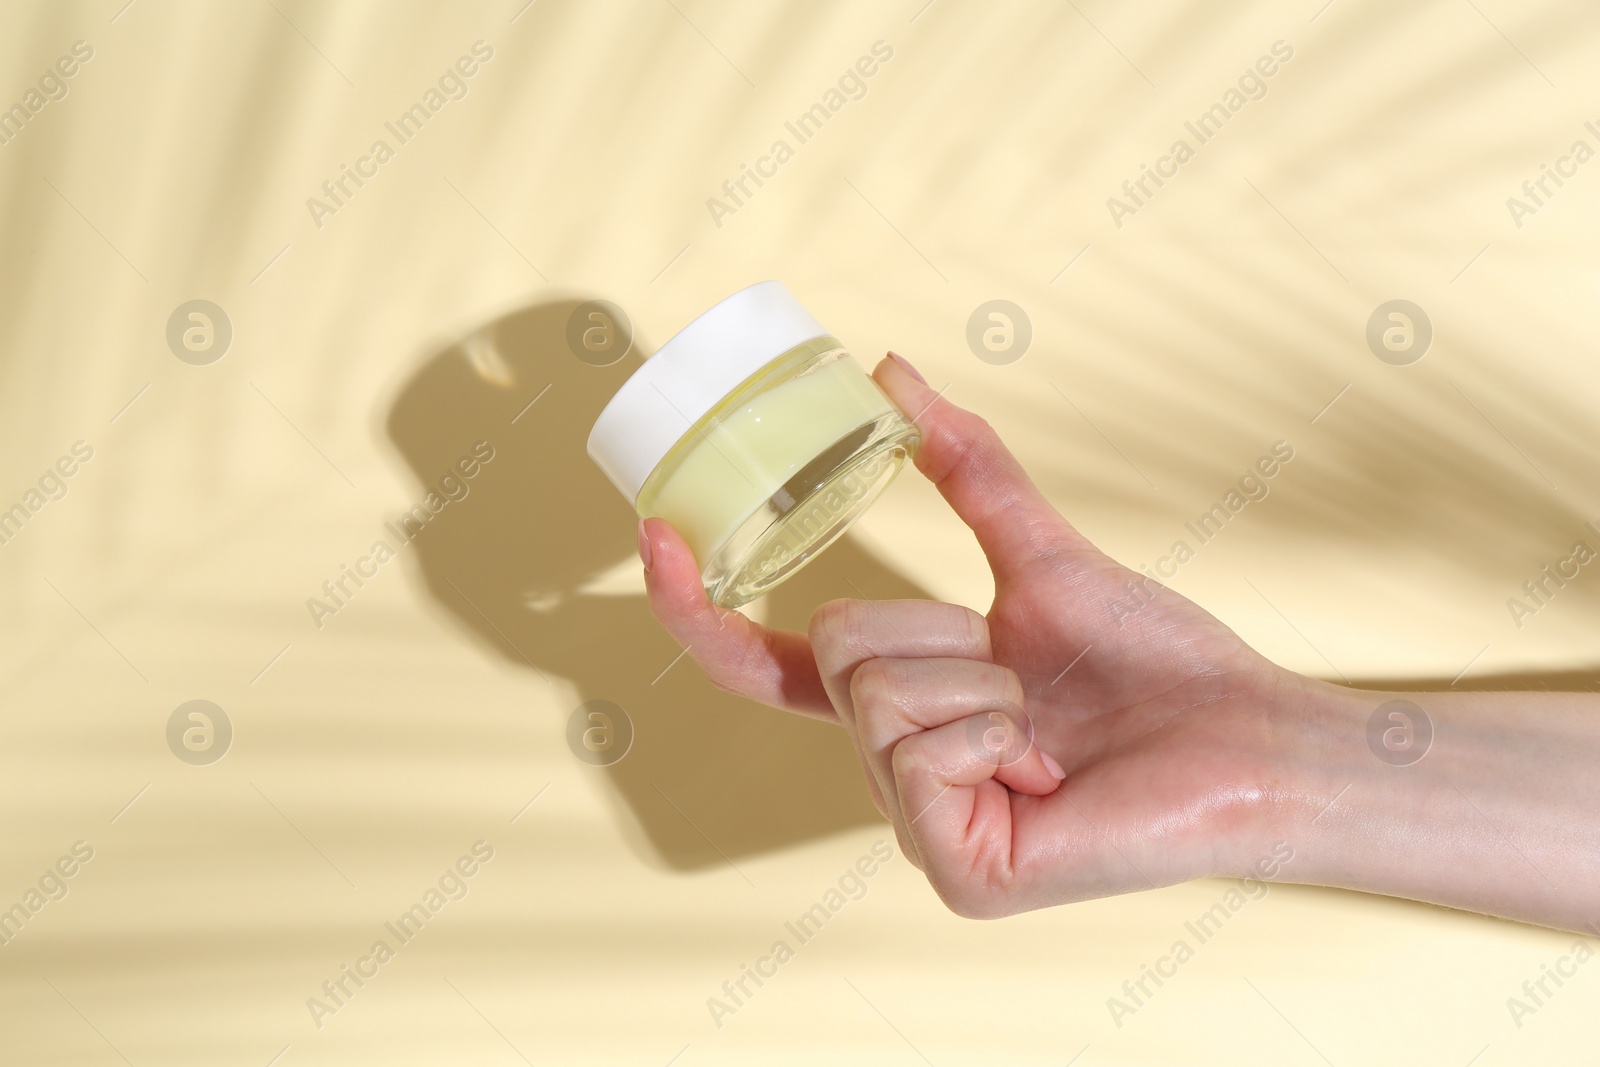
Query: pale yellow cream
pixel 738 458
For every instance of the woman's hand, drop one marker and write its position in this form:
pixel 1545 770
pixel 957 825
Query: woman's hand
pixel 1096 733
pixel 1158 717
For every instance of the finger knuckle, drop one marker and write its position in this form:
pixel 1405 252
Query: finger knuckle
pixel 975 443
pixel 830 624
pixel 946 450
pixel 964 902
pixel 873 686
pixel 978 429
pixel 908 761
pixel 953 898
pixel 722 674
pixel 852 629
pixel 725 671
pixel 977 629
pixel 1010 684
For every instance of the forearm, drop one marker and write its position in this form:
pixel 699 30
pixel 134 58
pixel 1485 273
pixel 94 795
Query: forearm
pixel 1500 814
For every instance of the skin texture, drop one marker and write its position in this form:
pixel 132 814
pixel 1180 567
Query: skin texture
pixel 1061 748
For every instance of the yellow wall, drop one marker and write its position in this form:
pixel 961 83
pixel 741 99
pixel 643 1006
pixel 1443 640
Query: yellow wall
pixel 371 351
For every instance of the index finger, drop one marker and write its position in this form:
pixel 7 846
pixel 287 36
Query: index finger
pixel 979 477
pixel 775 667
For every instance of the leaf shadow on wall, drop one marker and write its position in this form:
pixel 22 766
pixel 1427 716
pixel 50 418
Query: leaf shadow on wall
pixel 710 775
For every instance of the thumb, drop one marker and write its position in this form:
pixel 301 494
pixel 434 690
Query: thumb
pixel 978 476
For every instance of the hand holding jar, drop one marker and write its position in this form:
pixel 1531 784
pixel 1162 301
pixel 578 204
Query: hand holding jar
pixel 1056 749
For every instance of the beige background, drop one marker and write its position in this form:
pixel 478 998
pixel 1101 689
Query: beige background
pixel 426 314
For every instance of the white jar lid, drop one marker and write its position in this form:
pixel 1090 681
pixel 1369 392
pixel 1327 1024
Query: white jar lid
pixel 690 374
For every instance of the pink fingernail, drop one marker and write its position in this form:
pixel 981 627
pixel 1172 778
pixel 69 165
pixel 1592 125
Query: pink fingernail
pixel 1051 765
pixel 906 366
pixel 644 547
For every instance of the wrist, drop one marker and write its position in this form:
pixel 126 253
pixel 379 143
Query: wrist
pixel 1282 748
pixel 1312 754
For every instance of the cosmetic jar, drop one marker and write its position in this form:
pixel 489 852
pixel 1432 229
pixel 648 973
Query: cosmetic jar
pixel 756 435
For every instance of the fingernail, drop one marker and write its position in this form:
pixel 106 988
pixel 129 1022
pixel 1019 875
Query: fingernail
pixel 1051 765
pixel 906 366
pixel 644 547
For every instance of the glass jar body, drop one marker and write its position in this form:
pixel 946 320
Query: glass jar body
pixel 772 475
